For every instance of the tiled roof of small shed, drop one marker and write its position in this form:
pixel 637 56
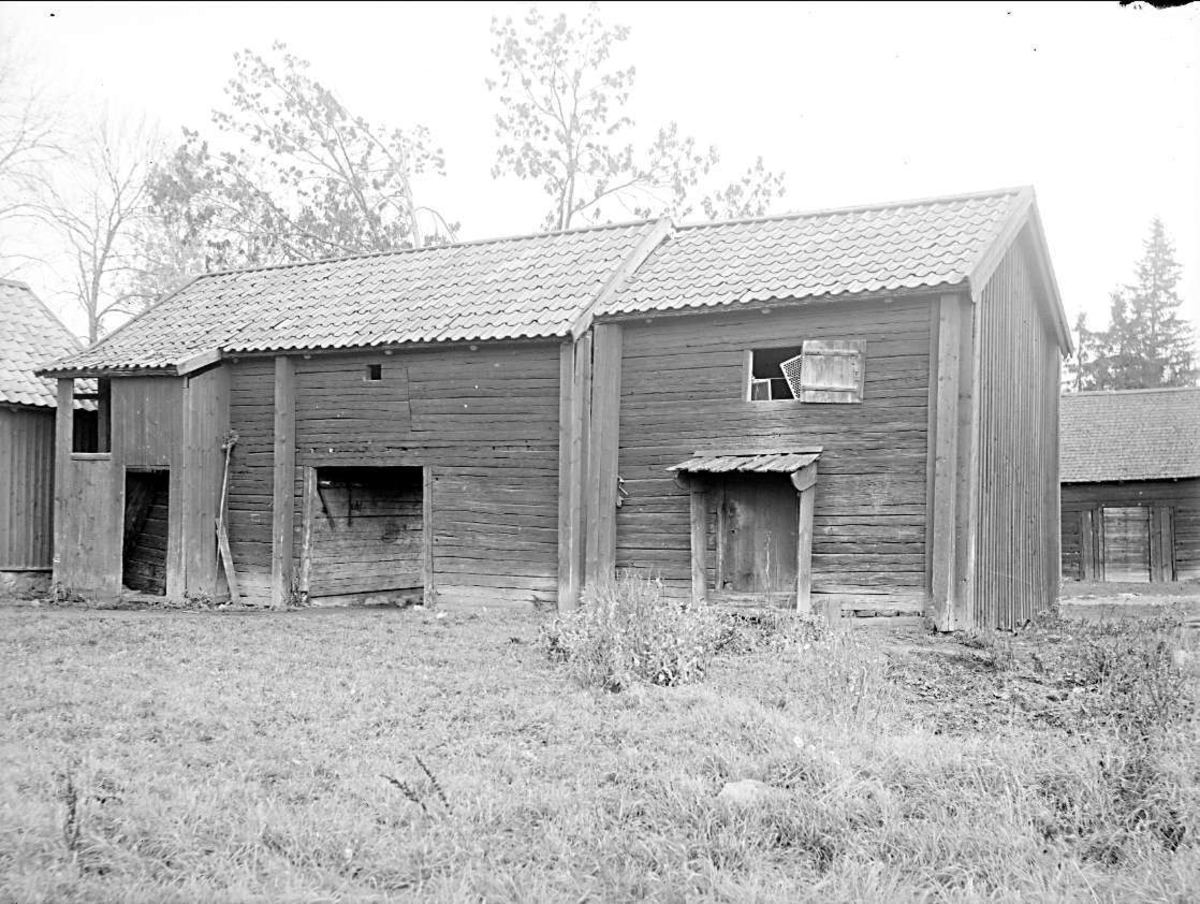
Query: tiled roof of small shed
pixel 1143 434
pixel 884 248
pixel 528 287
pixel 30 336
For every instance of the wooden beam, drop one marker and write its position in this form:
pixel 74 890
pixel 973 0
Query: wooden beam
pixel 636 258
pixel 943 519
pixel 804 540
pixel 192 363
pixel 698 520
pixel 428 575
pixel 968 468
pixel 308 507
pixel 64 438
pixel 575 365
pixel 1087 545
pixel 603 447
pixel 283 500
pixel 804 478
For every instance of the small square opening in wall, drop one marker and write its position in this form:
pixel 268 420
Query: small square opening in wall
pixel 374 373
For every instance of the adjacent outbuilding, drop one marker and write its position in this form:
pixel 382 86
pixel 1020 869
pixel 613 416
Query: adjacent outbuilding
pixel 850 410
pixel 29 335
pixel 1131 485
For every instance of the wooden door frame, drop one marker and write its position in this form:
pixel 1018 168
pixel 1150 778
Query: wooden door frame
pixel 428 590
pixel 699 486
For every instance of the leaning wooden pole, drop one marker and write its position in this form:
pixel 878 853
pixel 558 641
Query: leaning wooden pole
pixel 222 529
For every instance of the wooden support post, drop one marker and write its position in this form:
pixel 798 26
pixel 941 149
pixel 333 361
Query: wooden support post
pixel 698 517
pixel 1087 545
pixel 968 470
pixel 428 575
pixel 575 367
pixel 805 482
pixel 283 502
pixel 308 507
pixel 603 445
pixel 64 439
pixel 944 444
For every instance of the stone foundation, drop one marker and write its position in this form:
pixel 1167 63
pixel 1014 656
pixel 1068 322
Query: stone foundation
pixel 21 585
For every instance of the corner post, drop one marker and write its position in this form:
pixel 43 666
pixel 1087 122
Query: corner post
pixel 283 502
pixel 944 446
pixel 64 441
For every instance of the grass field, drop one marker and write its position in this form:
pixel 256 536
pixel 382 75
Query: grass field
pixel 174 756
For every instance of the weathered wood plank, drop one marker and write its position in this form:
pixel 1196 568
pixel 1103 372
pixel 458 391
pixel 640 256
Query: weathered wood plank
pixel 282 506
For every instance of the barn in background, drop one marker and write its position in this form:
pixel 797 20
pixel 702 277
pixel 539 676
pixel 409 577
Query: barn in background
pixel 1131 485
pixel 852 410
pixel 29 335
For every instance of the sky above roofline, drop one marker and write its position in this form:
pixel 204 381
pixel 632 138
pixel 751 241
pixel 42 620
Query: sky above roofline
pixel 858 104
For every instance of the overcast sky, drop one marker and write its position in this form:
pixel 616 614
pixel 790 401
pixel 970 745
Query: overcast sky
pixel 1096 106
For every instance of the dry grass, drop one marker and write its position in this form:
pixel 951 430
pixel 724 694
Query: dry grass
pixel 347 756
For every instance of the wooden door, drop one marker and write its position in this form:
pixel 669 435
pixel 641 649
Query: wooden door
pixel 757 535
pixel 366 531
pixel 1127 543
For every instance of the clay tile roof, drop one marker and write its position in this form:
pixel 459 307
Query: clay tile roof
pixel 30 336
pixel 886 248
pixel 520 288
pixel 1142 434
pixel 546 286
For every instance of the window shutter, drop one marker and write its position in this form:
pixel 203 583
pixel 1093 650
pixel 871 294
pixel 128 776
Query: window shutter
pixel 831 370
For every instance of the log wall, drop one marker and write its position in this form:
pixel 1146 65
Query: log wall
pixel 682 390
pixel 484 421
pixel 1081 510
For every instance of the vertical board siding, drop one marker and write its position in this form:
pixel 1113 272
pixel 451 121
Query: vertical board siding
pixel 485 422
pixel 1016 545
pixel 252 418
pixel 147 420
pixel 26 488
pixel 682 390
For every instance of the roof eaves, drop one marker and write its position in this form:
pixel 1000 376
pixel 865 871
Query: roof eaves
pixel 62 367
pixel 1023 211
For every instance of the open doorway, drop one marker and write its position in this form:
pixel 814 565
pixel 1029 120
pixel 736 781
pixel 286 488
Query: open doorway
pixel 144 550
pixel 366 535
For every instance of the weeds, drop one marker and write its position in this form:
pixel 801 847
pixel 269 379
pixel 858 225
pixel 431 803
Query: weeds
pixel 413 795
pixel 625 630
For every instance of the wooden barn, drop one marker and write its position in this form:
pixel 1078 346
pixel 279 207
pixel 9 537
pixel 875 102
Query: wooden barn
pixel 29 335
pixel 1130 466
pixel 853 409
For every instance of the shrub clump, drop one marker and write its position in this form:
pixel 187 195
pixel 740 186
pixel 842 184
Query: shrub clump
pixel 625 631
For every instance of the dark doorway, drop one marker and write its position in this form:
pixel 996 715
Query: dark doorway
pixel 147 505
pixel 366 534
pixel 757 535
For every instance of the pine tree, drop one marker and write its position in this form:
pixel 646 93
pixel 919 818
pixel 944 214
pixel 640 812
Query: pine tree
pixel 1146 344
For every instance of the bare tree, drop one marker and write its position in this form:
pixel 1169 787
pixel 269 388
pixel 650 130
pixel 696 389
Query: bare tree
pixel 31 140
pixel 98 207
pixel 562 123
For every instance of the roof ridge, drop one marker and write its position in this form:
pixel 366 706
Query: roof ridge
pixel 16 283
pixel 494 240
pixel 856 208
pixel 1113 392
